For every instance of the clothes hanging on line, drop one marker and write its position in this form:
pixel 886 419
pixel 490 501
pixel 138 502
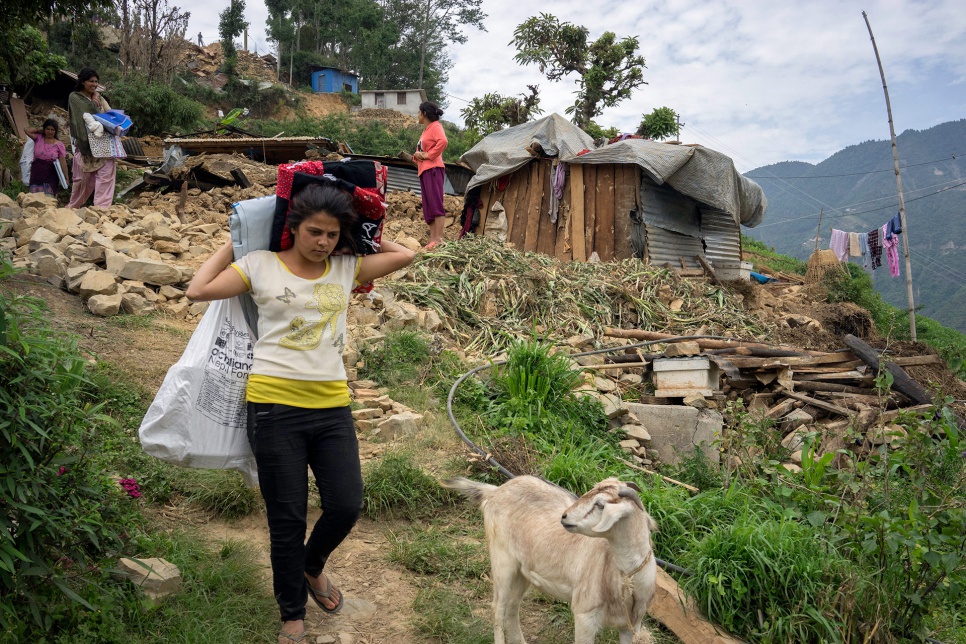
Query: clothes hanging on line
pixel 875 248
pixel 894 227
pixel 839 244
pixel 891 247
pixel 864 247
pixel 855 250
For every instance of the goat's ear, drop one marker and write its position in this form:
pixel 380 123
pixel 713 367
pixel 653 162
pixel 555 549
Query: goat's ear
pixel 652 524
pixel 611 514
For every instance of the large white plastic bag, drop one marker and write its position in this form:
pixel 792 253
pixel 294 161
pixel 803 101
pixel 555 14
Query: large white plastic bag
pixel 198 417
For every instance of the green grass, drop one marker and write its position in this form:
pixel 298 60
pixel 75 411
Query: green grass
pixel 442 615
pixel 768 257
pixel 771 579
pixel 224 596
pixel 220 493
pixel 447 552
pixel 398 361
pixel 396 487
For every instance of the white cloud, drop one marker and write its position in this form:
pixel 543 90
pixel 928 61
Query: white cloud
pixel 760 80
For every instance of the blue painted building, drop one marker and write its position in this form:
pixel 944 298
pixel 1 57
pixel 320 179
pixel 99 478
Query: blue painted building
pixel 333 80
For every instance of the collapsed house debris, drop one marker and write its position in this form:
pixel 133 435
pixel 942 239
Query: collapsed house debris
pixel 544 188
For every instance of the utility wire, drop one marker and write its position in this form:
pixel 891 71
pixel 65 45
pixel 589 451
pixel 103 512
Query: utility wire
pixel 852 214
pixel 854 174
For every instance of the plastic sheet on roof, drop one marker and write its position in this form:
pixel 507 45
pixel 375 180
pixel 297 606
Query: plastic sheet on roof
pixel 702 174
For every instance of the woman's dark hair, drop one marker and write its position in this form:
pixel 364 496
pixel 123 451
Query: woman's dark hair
pixel 85 75
pixel 431 110
pixel 51 123
pixel 333 201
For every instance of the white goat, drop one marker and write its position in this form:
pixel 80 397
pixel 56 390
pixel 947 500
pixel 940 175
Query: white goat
pixel 537 535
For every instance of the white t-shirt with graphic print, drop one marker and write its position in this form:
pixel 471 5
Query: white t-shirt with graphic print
pixel 301 322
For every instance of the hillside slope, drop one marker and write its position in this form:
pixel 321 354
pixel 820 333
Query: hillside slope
pixel 857 188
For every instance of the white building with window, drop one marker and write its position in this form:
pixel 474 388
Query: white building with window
pixel 406 101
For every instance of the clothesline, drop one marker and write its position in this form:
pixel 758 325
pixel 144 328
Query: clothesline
pixel 869 246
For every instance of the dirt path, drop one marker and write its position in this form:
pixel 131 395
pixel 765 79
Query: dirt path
pixel 378 595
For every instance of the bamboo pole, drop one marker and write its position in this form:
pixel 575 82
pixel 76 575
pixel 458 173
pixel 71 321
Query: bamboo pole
pixel 818 233
pixel 902 203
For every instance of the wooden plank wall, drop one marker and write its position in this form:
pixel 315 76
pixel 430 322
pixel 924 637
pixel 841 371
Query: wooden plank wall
pixel 593 215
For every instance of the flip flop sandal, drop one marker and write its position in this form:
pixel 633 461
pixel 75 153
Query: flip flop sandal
pixel 291 636
pixel 431 245
pixel 319 595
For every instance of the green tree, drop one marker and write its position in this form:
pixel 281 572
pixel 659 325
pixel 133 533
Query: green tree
pixel 18 14
pixel 660 124
pixel 439 21
pixel 231 24
pixel 27 59
pixel 494 111
pixel 608 69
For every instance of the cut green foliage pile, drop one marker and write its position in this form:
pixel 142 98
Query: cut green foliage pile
pixel 488 294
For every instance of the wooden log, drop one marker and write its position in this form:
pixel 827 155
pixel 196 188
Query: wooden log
pixel 617 365
pixel 890 416
pixel 708 269
pixel 869 400
pixel 681 616
pixel 838 367
pixel 638 334
pixel 782 408
pixel 854 378
pixel 631 357
pixel 821 404
pixel 791 361
pixel 240 178
pixel 901 381
pixel 577 237
pixel 832 387
pixel 918 361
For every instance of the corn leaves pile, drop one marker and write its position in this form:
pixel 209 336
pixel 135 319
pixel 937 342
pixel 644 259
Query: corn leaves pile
pixel 488 294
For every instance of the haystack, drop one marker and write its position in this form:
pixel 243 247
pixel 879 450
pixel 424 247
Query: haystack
pixel 820 264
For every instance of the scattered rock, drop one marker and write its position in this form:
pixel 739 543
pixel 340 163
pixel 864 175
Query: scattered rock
pixel 154 576
pixel 680 349
pixel 104 305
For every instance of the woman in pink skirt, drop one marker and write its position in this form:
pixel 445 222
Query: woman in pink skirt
pixel 432 172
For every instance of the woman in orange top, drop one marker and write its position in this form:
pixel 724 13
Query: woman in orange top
pixel 432 172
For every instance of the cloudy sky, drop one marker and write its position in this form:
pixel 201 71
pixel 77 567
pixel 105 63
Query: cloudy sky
pixel 762 81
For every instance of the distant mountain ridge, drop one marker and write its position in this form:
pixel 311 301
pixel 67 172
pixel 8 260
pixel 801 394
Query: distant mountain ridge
pixel 857 188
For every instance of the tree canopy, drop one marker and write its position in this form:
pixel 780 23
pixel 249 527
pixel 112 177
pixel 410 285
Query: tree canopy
pixel 660 124
pixel 231 24
pixel 609 69
pixel 493 112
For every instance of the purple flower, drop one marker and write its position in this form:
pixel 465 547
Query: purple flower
pixel 61 471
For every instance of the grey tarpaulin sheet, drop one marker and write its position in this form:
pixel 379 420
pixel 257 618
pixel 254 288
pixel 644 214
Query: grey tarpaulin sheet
pixel 702 174
pixel 503 152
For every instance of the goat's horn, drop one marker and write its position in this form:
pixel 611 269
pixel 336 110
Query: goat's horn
pixel 627 493
pixel 632 485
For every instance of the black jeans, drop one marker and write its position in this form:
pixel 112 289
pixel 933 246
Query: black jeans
pixel 286 441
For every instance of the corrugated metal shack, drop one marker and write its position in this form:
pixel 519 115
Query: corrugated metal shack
pixel 635 198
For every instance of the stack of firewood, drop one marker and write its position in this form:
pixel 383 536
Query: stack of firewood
pixel 804 390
